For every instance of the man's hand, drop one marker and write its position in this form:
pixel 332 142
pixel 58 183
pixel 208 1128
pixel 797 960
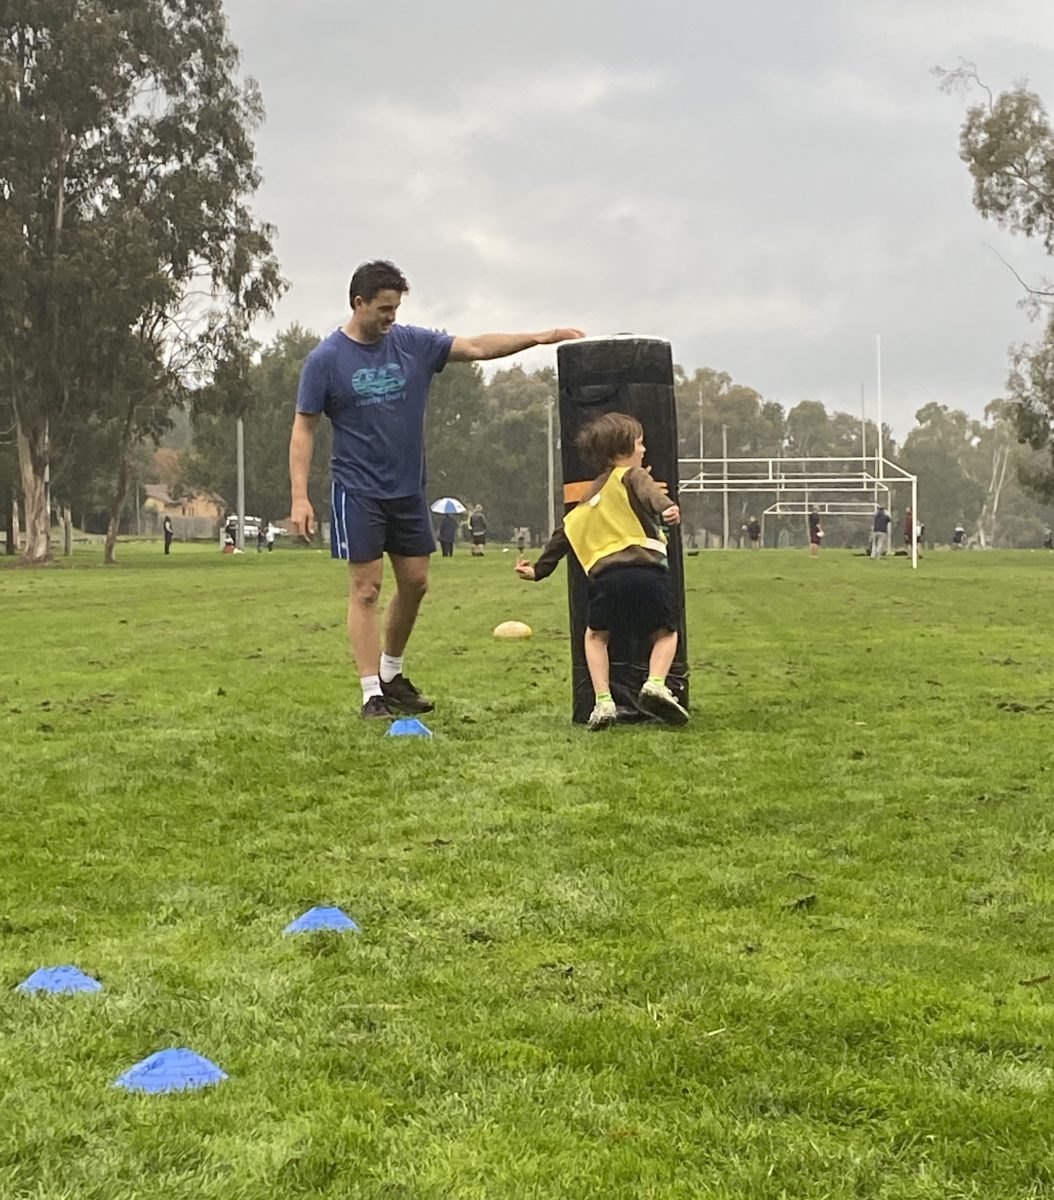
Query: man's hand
pixel 551 336
pixel 671 515
pixel 303 518
pixel 524 569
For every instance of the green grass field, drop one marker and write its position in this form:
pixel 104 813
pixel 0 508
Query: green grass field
pixel 797 950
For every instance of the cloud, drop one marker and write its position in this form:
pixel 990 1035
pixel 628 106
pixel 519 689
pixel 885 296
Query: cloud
pixel 843 95
pixel 498 104
pixel 903 26
pixel 767 185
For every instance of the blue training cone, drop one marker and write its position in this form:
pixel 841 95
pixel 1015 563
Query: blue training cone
pixel 321 917
pixel 408 727
pixel 171 1071
pixel 62 980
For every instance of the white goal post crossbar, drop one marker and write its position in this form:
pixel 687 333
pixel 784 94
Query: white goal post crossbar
pixel 813 477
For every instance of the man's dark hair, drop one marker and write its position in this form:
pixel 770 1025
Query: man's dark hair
pixel 614 435
pixel 377 276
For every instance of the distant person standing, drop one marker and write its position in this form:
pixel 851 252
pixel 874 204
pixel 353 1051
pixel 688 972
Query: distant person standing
pixel 815 532
pixel 909 526
pixel 270 537
pixel 167 530
pixel 447 534
pixel 959 538
pixel 261 538
pixel 477 526
pixel 754 533
pixel 880 533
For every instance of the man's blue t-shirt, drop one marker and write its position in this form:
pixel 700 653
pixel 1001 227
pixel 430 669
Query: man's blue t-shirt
pixel 375 396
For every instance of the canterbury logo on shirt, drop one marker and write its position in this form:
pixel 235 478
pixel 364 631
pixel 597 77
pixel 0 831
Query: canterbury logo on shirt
pixel 375 385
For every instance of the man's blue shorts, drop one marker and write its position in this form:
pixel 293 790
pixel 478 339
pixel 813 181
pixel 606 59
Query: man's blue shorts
pixel 363 529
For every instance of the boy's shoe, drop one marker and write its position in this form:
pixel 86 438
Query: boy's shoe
pixel 604 714
pixel 401 694
pixel 657 699
pixel 376 706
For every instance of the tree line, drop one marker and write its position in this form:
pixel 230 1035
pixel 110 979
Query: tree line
pixel 974 472
pixel 487 443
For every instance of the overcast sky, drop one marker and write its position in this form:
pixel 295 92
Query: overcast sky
pixel 767 184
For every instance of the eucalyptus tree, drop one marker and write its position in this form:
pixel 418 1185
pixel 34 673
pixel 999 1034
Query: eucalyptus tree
pixel 134 264
pixel 1007 142
pixel 211 463
pixel 8 474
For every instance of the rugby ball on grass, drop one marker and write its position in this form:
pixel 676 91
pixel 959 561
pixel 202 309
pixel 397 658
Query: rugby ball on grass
pixel 512 630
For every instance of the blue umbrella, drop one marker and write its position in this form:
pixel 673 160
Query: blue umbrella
pixel 448 505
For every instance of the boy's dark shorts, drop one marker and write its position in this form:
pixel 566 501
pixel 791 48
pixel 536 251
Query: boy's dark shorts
pixel 637 598
pixel 363 529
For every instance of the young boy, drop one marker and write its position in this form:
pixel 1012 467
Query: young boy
pixel 616 536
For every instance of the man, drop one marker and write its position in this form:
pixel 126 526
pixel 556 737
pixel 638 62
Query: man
pixel 167 530
pixel 911 531
pixel 880 533
pixel 815 531
pixel 477 526
pixel 447 534
pixel 754 533
pixel 371 378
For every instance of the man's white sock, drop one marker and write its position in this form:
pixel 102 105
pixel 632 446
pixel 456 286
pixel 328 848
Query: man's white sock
pixel 371 686
pixel 390 667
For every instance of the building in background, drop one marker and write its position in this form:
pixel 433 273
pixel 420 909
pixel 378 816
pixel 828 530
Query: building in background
pixel 197 514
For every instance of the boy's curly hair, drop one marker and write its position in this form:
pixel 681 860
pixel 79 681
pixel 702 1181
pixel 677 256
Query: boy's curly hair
pixel 614 435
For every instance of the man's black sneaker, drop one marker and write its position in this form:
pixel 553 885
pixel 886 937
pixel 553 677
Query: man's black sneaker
pixel 376 706
pixel 401 694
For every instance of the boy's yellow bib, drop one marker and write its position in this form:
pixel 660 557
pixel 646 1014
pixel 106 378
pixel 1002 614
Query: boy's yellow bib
pixel 607 524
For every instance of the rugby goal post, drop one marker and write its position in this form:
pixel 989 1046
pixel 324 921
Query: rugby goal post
pixel 835 486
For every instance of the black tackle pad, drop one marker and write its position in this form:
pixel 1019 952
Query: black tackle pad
pixel 632 375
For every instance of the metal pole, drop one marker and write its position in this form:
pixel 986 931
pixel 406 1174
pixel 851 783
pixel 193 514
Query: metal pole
pixel 700 430
pixel 702 479
pixel 878 396
pixel 724 475
pixel 239 537
pixel 552 494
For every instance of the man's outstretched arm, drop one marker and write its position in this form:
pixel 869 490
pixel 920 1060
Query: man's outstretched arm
pixel 501 345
